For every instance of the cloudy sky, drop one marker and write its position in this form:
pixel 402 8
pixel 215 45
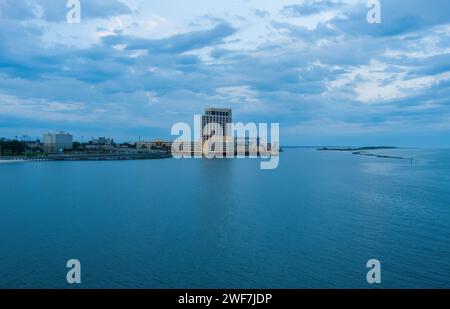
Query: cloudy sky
pixel 134 67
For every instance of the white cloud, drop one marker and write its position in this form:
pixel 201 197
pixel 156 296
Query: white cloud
pixel 237 94
pixel 379 82
pixel 41 109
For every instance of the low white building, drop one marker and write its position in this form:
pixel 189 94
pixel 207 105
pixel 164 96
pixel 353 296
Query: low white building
pixel 154 145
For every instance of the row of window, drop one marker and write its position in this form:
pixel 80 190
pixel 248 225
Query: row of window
pixel 217 113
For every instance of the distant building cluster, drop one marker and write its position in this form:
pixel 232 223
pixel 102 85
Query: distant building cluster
pixel 155 145
pixel 215 136
pixel 219 136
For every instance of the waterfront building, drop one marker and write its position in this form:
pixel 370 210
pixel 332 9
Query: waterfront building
pixel 247 145
pixel 217 122
pixel 101 144
pixel 155 145
pixel 102 141
pixel 57 142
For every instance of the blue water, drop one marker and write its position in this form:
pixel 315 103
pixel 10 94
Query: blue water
pixel 312 223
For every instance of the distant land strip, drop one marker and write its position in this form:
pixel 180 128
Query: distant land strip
pixel 356 148
pixel 362 151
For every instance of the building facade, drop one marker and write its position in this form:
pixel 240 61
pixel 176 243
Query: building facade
pixel 102 141
pixel 216 121
pixel 154 145
pixel 57 142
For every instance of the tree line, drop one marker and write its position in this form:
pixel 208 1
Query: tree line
pixel 12 147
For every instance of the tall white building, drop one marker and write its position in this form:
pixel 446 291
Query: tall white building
pixel 57 142
pixel 217 122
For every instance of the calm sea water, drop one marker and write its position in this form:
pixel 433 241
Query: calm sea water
pixel 312 223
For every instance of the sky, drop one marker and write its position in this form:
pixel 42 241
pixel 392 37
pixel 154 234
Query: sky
pixel 133 68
